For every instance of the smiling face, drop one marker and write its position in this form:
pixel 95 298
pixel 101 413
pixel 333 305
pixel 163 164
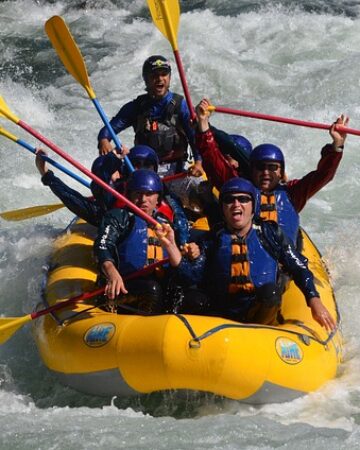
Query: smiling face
pixel 266 175
pixel 158 83
pixel 238 211
pixel 146 201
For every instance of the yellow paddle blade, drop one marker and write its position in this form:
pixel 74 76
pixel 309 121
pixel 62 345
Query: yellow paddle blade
pixel 7 134
pixel 5 111
pixel 68 51
pixel 28 213
pixel 9 326
pixel 165 15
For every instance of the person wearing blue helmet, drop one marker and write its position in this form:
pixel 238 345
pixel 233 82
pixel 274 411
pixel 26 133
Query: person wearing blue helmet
pixel 280 200
pixel 160 118
pixel 108 168
pixel 238 267
pixel 126 243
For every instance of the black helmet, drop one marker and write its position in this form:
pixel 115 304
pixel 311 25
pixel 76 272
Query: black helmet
pixel 154 63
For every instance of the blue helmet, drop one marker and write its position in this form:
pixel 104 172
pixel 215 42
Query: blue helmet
pixel 242 142
pixel 237 184
pixel 104 166
pixel 144 180
pixel 145 153
pixel 267 152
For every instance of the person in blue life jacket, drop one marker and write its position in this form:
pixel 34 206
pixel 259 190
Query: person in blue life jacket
pixel 281 200
pixel 239 266
pixel 160 118
pixel 127 243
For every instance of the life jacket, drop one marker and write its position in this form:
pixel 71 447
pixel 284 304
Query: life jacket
pixel 276 206
pixel 164 134
pixel 165 210
pixel 241 264
pixel 139 249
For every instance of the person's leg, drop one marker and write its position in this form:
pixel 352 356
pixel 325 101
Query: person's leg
pixel 266 305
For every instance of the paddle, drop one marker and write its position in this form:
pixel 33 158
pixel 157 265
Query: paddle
pixel 4 109
pixel 70 55
pixel 17 215
pixel 46 158
pixel 301 123
pixel 165 15
pixel 9 325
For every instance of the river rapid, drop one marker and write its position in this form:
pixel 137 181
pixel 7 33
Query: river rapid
pixel 296 59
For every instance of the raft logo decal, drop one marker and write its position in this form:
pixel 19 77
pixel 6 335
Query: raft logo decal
pixel 99 335
pixel 288 350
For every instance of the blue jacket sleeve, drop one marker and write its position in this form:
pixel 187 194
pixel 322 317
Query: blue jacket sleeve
pixel 81 206
pixel 114 228
pixel 293 261
pixel 125 118
pixel 180 222
pixel 189 131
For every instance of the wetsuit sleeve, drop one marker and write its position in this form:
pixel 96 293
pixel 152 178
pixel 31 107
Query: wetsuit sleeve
pixel 215 165
pixel 294 262
pixel 301 190
pixel 125 118
pixel 81 206
pixel 188 129
pixel 114 228
pixel 191 272
pixel 180 222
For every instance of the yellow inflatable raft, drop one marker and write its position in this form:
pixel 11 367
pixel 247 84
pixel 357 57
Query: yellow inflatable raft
pixel 107 354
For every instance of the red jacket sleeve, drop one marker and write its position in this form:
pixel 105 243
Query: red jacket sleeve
pixel 217 169
pixel 301 190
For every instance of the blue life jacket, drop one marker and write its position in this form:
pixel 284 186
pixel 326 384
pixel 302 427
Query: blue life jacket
pixel 139 249
pixel 262 266
pixel 281 210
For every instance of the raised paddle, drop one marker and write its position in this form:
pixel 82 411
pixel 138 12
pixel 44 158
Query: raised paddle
pixel 301 123
pixel 70 55
pixel 5 111
pixel 165 15
pixel 9 325
pixel 46 158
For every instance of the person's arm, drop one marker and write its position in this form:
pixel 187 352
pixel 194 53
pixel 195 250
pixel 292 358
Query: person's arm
pixel 215 165
pixel 196 170
pixel 296 265
pixel 81 206
pixel 113 228
pixel 123 119
pixel 190 270
pixel 301 190
pixel 180 222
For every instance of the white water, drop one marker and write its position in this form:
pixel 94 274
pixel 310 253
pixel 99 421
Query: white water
pixel 273 60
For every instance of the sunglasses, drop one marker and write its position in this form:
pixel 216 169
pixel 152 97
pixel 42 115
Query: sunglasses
pixel 230 199
pixel 271 167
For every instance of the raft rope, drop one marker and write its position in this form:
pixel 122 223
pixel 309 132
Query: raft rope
pixel 196 340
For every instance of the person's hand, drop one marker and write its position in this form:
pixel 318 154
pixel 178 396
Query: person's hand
pixel 115 284
pixel 339 137
pixel 202 115
pixel 191 251
pixel 321 314
pixel 124 151
pixel 40 162
pixel 105 147
pixel 196 170
pixel 166 235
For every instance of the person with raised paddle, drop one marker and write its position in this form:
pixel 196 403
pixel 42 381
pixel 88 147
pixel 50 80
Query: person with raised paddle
pixel 125 243
pixel 239 265
pixel 280 200
pixel 160 118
